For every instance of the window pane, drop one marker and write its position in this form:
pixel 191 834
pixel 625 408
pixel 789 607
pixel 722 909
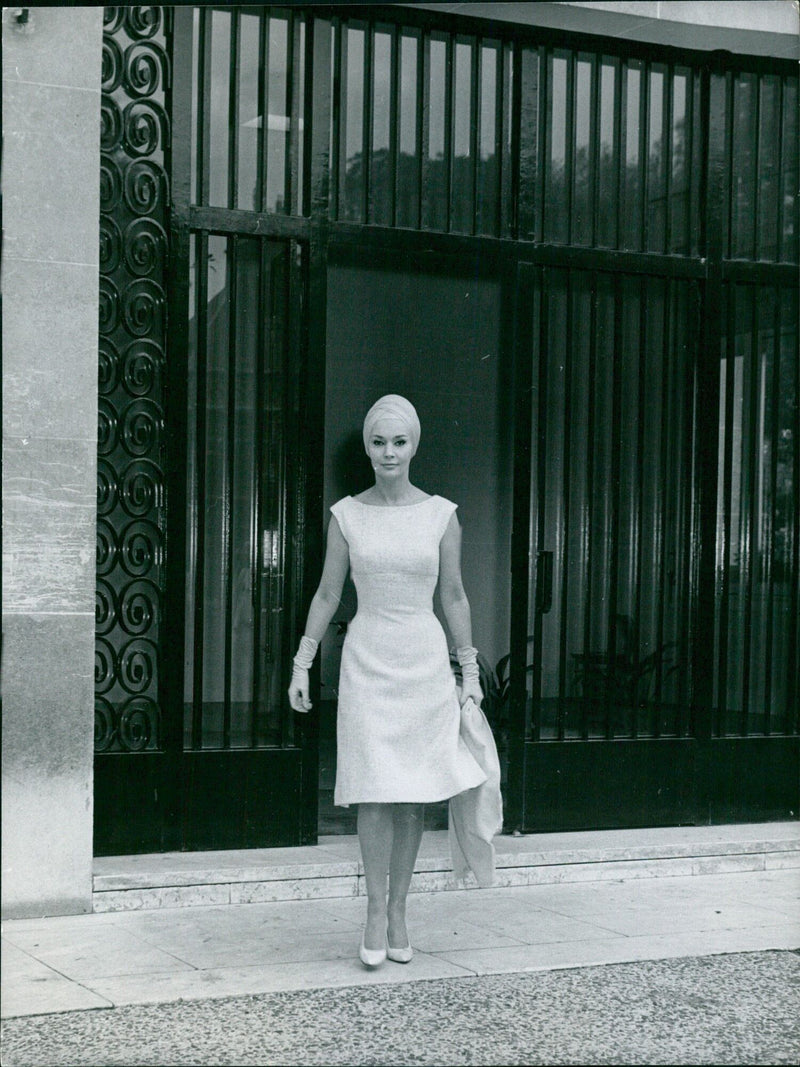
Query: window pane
pixel 657 162
pixel 791 172
pixel 607 157
pixel 632 206
pixel 582 164
pixel 488 191
pixel 380 178
pixel 679 176
pixel 435 203
pixel 555 205
pixel 350 196
pixel 219 108
pixel 528 144
pixel 278 117
pixel 248 193
pixel 745 90
pixel 462 198
pixel 408 163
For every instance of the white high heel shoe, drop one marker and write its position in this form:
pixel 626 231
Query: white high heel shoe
pixel 400 955
pixel 371 957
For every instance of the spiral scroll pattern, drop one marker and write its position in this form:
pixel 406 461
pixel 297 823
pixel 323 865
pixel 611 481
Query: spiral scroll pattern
pixel 134 246
pixel 145 187
pixel 110 185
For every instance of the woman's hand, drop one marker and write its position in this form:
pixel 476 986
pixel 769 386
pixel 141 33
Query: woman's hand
pixel 298 691
pixel 471 689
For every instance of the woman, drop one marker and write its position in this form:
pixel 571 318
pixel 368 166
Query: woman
pixel 398 715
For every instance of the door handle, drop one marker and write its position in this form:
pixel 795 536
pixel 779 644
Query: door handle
pixel 544 582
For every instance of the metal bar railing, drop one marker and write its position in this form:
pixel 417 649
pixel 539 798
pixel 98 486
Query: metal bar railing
pixel 200 453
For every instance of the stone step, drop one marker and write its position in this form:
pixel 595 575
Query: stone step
pixel 333 867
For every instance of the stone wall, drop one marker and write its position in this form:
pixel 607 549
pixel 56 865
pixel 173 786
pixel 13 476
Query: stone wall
pixel 51 128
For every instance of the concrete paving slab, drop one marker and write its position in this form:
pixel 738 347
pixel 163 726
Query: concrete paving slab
pixel 245 981
pixel 31 988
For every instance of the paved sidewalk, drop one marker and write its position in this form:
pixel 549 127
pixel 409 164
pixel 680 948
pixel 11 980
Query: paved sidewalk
pixel 162 956
pixel 731 1009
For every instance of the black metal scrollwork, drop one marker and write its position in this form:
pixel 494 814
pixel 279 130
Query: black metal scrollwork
pixel 108 369
pixel 134 200
pixel 110 185
pixel 145 187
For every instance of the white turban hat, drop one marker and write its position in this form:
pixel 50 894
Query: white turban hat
pixel 395 407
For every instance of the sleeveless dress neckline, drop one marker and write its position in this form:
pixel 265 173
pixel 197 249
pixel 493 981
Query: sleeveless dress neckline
pixel 393 507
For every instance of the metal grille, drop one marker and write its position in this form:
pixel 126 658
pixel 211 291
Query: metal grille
pixel 130 481
pixel 762 167
pixel 247 105
pixel 611 499
pixel 241 388
pixel 756 681
pixel 421 133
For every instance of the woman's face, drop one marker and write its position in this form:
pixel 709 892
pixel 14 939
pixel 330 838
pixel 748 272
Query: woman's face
pixel 390 448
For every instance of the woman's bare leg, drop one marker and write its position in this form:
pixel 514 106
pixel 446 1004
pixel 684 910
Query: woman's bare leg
pixel 408 824
pixel 375 834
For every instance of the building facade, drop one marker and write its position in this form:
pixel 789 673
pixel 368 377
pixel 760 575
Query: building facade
pixel 567 233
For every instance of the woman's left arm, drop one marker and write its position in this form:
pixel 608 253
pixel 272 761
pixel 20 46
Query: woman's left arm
pixel 455 604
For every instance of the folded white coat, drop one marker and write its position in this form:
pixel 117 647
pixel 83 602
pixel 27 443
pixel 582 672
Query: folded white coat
pixel 476 815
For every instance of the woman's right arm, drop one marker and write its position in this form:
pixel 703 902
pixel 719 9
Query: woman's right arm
pixel 323 605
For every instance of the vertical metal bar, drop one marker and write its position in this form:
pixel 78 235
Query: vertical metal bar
pixel 394 120
pixel 707 442
pixel 367 122
pixel 448 131
pixel 751 445
pixel 545 66
pixel 233 112
pixel 499 134
pixel 336 111
pixel 616 447
pixel 781 175
pixel 724 599
pixel 341 172
pixel 728 119
pixel 475 91
pixel 756 166
pixel 564 530
pixel 689 163
pixel 793 686
pixel 520 536
pixel 666 426
pixel 620 135
pixel 257 490
pixel 201 445
pixel 228 500
pixel 292 143
pixel 687 512
pixel 263 96
pixel 595 70
pixel 588 516
pixel 569 143
pixel 667 129
pixel 644 152
pixel 542 368
pixel 637 532
pixel 516 140
pixel 423 125
pixel 769 541
pixel 203 106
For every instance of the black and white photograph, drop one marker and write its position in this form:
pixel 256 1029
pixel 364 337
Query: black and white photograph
pixel 400 534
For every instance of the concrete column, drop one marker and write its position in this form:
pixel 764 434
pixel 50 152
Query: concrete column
pixel 51 133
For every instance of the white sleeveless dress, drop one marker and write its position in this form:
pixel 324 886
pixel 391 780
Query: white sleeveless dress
pixel 398 716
